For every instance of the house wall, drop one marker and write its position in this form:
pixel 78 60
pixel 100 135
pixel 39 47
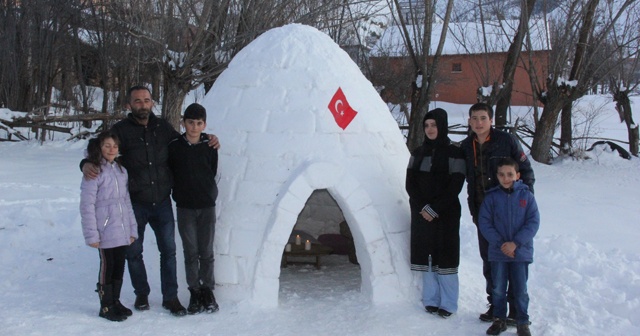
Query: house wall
pixel 460 84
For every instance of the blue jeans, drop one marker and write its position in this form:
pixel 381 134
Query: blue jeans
pixel 160 218
pixel 515 274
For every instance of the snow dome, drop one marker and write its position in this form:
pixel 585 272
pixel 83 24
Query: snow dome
pixel 294 114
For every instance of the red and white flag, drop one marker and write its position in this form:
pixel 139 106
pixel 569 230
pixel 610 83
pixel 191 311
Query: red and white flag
pixel 341 110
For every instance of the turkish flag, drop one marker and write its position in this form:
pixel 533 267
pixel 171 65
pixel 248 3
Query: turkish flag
pixel 341 110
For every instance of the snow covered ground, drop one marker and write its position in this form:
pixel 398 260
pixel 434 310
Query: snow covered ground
pixel 585 279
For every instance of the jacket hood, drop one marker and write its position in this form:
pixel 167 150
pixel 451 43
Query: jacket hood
pixel 440 116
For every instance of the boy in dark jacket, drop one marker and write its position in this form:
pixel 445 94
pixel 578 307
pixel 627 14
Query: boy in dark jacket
pixel 194 165
pixel 483 148
pixel 508 220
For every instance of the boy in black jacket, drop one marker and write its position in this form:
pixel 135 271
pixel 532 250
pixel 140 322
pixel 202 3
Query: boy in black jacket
pixel 194 165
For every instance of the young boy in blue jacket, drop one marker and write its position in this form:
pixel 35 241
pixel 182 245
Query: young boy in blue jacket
pixel 508 220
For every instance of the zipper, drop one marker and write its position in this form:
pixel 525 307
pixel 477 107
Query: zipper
pixel 105 222
pixel 119 203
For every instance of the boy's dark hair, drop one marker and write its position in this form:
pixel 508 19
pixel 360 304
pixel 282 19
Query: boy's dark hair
pixel 481 107
pixel 507 161
pixel 195 111
pixel 94 147
pixel 136 88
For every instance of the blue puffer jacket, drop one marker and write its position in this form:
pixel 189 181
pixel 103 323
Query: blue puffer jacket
pixel 506 217
pixel 105 208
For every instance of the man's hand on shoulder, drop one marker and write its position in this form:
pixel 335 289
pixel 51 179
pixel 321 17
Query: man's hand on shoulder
pixel 213 141
pixel 90 171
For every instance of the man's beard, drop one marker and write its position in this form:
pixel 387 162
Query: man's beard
pixel 141 114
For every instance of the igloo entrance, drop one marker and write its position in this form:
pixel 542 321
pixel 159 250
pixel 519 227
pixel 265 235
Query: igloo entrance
pixel 322 222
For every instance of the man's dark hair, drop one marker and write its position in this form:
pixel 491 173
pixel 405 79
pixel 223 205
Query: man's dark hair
pixel 481 107
pixel 136 88
pixel 507 161
pixel 195 111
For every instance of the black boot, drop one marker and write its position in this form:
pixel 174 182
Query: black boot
pixel 195 302
pixel 120 309
pixel 488 316
pixel 107 309
pixel 208 300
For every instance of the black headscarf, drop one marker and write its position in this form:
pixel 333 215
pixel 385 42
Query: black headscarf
pixel 441 141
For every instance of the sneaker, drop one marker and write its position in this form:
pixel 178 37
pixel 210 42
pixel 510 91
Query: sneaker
pixel 488 316
pixel 497 327
pixel 208 300
pixel 523 330
pixel 444 314
pixel 142 302
pixel 174 307
pixel 195 304
pixel 431 309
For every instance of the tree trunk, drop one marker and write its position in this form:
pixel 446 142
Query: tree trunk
pixel 623 105
pixel 566 130
pixel 504 96
pixel 174 95
pixel 543 136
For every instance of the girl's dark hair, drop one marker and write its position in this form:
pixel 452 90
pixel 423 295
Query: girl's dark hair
pixel 94 148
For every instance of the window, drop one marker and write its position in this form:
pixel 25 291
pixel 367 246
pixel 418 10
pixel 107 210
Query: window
pixel 456 67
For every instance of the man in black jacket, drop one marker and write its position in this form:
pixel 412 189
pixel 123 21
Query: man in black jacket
pixel 483 150
pixel 144 140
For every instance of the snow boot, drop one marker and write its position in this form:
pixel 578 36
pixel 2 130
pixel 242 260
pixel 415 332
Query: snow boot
pixel 120 309
pixel 195 302
pixel 498 326
pixel 208 300
pixel 107 308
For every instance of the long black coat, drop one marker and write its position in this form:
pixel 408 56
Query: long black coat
pixel 435 177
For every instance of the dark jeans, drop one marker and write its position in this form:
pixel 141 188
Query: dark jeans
pixel 483 245
pixel 515 274
pixel 111 265
pixel 160 218
pixel 197 230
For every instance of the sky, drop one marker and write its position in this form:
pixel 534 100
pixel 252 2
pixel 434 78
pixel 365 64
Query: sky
pixel 585 279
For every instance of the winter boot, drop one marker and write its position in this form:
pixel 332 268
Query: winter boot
pixel 208 300
pixel 175 307
pixel 120 309
pixel 195 302
pixel 488 316
pixel 107 308
pixel 523 330
pixel 498 326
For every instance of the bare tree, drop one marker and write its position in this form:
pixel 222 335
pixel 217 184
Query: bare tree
pixel 417 33
pixel 503 97
pixel 577 47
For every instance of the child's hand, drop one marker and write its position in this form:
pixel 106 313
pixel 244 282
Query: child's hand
pixel 95 245
pixel 426 216
pixel 509 249
pixel 132 239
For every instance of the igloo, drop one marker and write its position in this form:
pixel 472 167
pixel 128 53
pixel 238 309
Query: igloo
pixel 294 114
